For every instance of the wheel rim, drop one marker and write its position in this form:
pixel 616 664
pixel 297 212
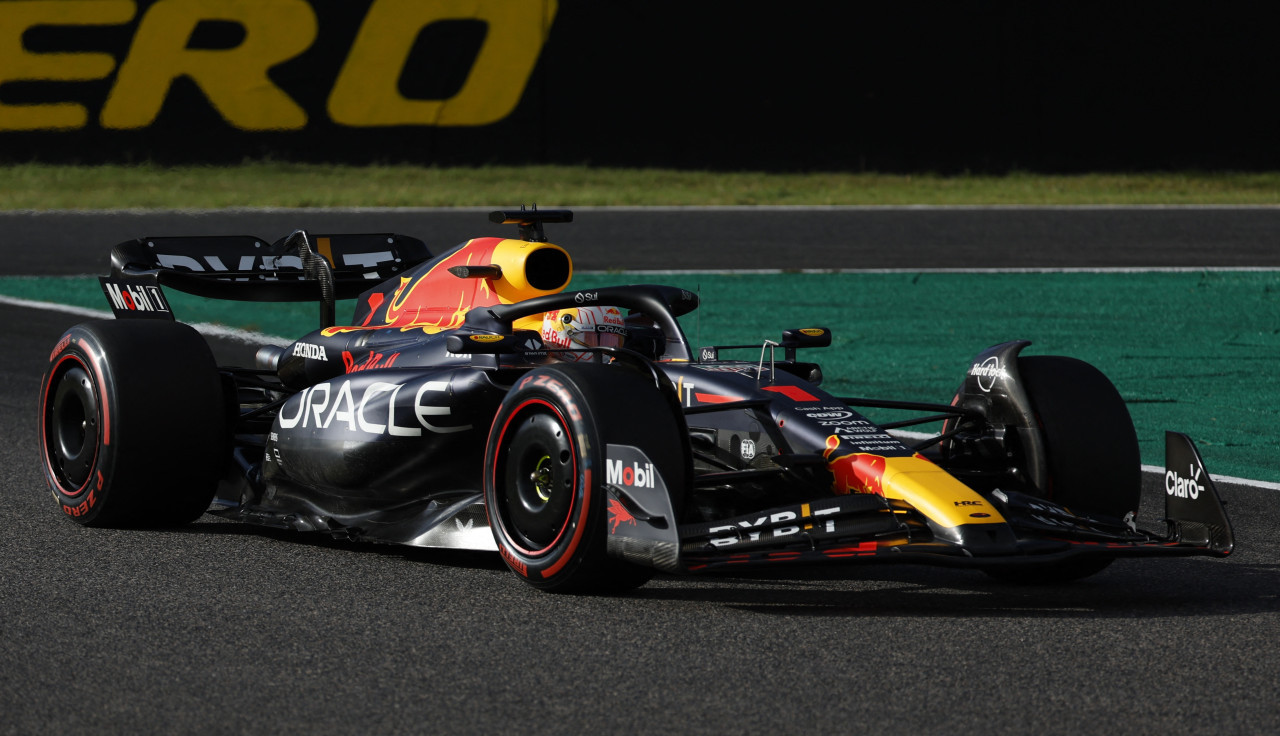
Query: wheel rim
pixel 538 492
pixel 71 428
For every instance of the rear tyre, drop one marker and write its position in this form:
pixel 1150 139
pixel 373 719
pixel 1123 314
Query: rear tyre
pixel 545 470
pixel 133 428
pixel 1091 449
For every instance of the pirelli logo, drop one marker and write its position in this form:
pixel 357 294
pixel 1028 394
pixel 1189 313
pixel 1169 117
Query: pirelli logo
pixel 46 44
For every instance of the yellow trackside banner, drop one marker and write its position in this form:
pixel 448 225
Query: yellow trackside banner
pixel 366 93
pixel 45 44
pixel 17 64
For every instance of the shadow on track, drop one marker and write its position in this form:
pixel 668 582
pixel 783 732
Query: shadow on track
pixel 1160 588
pixel 1128 589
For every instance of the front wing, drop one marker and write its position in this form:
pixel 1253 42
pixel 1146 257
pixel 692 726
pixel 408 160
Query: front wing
pixel 872 528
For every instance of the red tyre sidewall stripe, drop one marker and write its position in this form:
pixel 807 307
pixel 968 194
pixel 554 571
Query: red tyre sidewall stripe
pixel 44 411
pixel 102 392
pixel 580 528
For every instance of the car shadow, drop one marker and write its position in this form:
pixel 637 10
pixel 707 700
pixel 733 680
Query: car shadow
pixel 1129 588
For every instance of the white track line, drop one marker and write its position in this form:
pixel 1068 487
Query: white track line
pixel 1222 479
pixel 204 328
pixel 1156 469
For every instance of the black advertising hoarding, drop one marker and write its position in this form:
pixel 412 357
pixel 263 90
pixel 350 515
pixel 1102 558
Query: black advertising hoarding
pixel 802 85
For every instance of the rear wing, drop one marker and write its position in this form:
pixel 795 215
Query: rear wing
pixel 297 268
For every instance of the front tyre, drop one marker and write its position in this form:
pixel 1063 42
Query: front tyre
pixel 545 471
pixel 132 424
pixel 1091 451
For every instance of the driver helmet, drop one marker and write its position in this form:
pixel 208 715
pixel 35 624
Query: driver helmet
pixel 582 327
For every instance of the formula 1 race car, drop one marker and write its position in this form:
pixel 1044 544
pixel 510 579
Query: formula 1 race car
pixel 472 402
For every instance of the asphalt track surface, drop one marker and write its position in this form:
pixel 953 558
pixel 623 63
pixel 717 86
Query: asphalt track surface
pixel 219 628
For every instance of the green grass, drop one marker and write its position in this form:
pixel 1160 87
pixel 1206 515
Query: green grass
pixel 259 184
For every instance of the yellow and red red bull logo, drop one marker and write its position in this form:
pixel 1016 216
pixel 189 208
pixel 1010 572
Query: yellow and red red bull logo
pixel 857 472
pixel 553 335
pixel 583 327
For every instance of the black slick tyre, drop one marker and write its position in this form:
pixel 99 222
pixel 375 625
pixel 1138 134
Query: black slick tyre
pixel 1094 463
pixel 545 471
pixel 1091 449
pixel 132 423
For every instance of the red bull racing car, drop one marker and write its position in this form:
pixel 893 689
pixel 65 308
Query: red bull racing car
pixel 472 401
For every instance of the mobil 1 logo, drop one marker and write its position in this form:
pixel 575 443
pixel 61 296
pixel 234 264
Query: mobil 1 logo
pixel 132 300
pixel 629 469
